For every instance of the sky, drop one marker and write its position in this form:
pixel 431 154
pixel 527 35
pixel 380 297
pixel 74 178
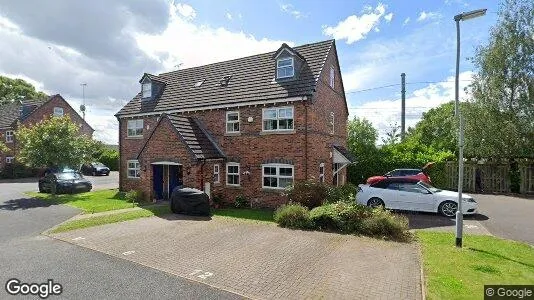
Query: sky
pixel 108 44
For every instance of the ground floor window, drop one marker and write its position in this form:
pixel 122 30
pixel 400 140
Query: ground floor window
pixel 277 176
pixel 134 169
pixel 336 168
pixel 216 174
pixel 9 159
pixel 232 174
pixel 321 172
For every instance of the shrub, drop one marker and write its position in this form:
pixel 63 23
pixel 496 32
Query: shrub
pixel 308 193
pixel 241 202
pixel 293 215
pixel 345 193
pixel 384 224
pixel 110 158
pixel 217 200
pixel 134 196
pixel 340 216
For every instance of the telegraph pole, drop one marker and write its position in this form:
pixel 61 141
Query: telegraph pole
pixel 403 106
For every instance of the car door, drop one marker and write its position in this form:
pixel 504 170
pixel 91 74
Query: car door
pixel 415 197
pixel 390 195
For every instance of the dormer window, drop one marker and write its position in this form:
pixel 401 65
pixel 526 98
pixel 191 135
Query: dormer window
pixel 285 68
pixel 146 89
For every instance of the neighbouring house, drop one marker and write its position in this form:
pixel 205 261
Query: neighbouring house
pixel 249 126
pixel 27 112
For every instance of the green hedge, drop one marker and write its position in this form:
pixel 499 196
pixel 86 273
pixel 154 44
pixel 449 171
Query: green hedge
pixel 110 158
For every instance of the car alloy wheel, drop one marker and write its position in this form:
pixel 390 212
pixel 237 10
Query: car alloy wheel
pixel 448 208
pixel 375 202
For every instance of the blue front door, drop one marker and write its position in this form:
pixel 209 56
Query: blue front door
pixel 157 171
pixel 175 177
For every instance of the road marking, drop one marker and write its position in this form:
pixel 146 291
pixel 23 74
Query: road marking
pixel 128 252
pixel 204 275
pixel 78 238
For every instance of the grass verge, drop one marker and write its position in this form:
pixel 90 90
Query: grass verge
pixel 112 218
pixel 245 213
pixel 90 202
pixel 453 273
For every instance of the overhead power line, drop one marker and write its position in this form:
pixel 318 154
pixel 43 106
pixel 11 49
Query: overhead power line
pixel 398 84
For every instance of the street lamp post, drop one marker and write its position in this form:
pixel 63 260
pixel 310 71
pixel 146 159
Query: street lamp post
pixel 457 113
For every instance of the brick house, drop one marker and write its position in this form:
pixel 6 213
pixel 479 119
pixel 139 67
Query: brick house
pixel 248 126
pixel 27 112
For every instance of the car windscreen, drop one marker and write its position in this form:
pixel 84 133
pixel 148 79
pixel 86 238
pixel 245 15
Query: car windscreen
pixel 99 165
pixel 429 187
pixel 68 176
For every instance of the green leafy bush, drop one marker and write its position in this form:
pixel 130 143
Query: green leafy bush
pixel 241 202
pixel 134 196
pixel 345 193
pixel 383 223
pixel 110 158
pixel 217 199
pixel 308 193
pixel 340 216
pixel 293 215
pixel 18 170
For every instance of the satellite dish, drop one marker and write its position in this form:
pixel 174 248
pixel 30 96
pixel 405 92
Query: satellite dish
pixel 82 108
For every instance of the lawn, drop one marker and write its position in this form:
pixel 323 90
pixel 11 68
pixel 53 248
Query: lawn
pixel 112 218
pixel 453 273
pixel 245 213
pixel 90 202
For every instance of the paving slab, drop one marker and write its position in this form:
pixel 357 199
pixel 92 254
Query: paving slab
pixel 260 260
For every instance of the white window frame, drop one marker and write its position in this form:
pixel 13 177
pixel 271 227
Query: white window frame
pixel 136 169
pixel 228 174
pixel 321 172
pixel 135 127
pixel 59 111
pixel 277 175
pixel 146 88
pixel 332 123
pixel 9 159
pixel 216 173
pixel 332 76
pixel 9 136
pixel 277 118
pixel 233 121
pixel 278 67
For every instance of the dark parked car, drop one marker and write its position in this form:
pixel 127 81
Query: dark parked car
pixel 94 169
pixel 66 181
pixel 189 201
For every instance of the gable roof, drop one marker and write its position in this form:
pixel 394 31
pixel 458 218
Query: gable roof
pixel 252 81
pixel 193 135
pixel 10 112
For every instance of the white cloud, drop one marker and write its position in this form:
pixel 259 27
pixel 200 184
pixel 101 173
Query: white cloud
pixel 355 28
pixel 288 8
pixel 229 16
pixel 186 10
pixel 204 44
pixel 428 16
pixel 388 17
pixel 384 113
pixel 406 21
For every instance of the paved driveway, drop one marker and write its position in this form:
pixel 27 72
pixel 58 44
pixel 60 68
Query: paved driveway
pixel 260 260
pixel 31 257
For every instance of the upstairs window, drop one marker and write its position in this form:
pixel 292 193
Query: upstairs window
pixel 135 128
pixel 285 68
pixel 58 111
pixel 278 119
pixel 9 159
pixel 232 122
pixel 9 136
pixel 146 89
pixel 332 76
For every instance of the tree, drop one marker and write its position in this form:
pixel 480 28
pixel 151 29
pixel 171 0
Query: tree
pixel 361 141
pixel 437 129
pixel 501 123
pixel 3 147
pixel 55 142
pixel 393 135
pixel 17 89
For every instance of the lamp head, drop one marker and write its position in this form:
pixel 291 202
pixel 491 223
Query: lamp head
pixel 470 15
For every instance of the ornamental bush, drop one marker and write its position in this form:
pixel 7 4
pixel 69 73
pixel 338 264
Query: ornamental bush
pixel 293 215
pixel 308 193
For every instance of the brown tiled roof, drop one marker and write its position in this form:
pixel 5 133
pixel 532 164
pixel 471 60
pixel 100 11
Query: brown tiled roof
pixel 194 136
pixel 252 79
pixel 10 112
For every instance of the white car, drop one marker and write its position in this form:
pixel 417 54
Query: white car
pixel 412 194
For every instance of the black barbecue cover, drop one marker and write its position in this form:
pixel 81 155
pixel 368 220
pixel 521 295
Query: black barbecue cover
pixel 190 201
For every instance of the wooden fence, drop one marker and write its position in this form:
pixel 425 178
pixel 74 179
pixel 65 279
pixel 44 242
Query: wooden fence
pixel 494 177
pixel 527 178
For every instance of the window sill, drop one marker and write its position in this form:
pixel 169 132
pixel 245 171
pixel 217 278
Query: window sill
pixel 138 137
pixel 232 134
pixel 273 190
pixel 278 132
pixel 134 178
pixel 237 187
